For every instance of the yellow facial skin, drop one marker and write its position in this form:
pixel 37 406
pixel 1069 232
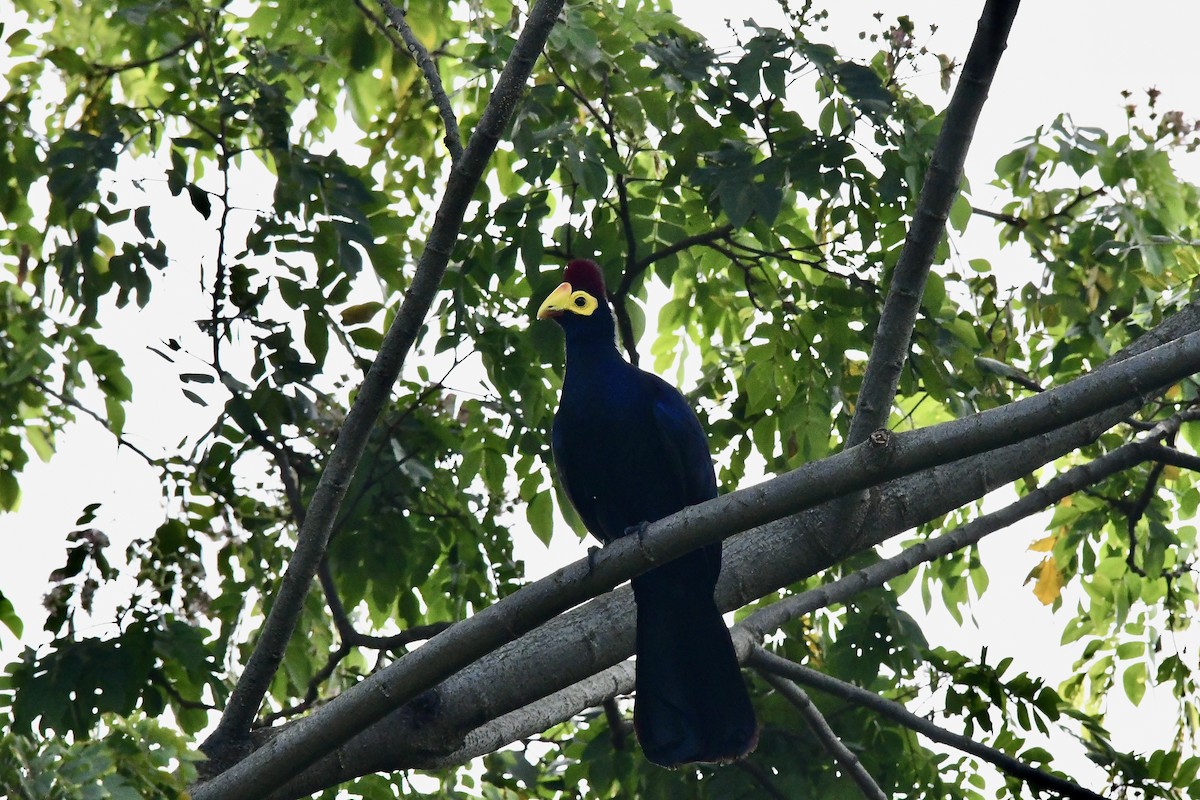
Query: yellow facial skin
pixel 563 300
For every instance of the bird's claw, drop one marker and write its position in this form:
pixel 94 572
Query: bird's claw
pixel 591 558
pixel 639 531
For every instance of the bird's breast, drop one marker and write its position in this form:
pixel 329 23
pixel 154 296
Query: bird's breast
pixel 610 456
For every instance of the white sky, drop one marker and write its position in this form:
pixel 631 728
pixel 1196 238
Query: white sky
pixel 1070 56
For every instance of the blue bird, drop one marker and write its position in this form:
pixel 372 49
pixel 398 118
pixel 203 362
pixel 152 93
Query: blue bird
pixel 629 450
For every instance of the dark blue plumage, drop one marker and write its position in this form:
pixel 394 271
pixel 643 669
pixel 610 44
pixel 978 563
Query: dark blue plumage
pixel 629 449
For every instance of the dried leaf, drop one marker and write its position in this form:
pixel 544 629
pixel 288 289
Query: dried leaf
pixel 1049 583
pixel 1044 545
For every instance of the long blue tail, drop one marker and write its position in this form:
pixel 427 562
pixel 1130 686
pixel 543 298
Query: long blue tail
pixel 691 703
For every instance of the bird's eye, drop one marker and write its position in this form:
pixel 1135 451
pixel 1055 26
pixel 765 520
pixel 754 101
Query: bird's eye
pixel 580 302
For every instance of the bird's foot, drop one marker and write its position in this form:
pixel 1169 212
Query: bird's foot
pixel 639 531
pixel 591 558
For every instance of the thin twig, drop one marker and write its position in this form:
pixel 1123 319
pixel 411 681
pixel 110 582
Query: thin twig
pixel 160 679
pixel 770 662
pixel 1135 514
pixel 774 616
pixel 761 777
pixel 629 276
pixel 75 404
pixel 618 728
pixel 1008 219
pixel 419 54
pixel 829 740
pixel 109 70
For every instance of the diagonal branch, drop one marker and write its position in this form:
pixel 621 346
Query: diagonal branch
pixel 1136 512
pixel 227 740
pixel 762 778
pixel 641 265
pixel 634 267
pixel 591 691
pixel 774 616
pixel 109 70
pixel 929 220
pixel 105 423
pixel 421 55
pixel 829 740
pixel 769 662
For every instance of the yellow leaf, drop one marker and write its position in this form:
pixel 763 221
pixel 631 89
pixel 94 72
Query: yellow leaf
pixel 1170 472
pixel 1049 583
pixel 1175 392
pixel 1066 502
pixel 1044 545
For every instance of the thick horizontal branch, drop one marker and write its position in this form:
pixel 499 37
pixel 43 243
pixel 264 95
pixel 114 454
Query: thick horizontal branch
pixel 809 677
pixel 585 641
pixel 884 457
pixel 1175 458
pixel 565 703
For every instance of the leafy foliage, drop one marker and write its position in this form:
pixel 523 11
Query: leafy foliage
pixel 136 758
pixel 756 199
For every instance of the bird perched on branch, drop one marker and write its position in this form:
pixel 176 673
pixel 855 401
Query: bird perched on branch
pixel 629 450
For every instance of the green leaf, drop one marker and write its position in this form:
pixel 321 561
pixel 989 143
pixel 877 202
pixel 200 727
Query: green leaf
pixel 960 213
pixel 40 440
pixel 540 514
pixel 1134 681
pixel 935 294
pixel 8 615
pixel 361 313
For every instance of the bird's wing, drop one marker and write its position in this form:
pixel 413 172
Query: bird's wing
pixel 683 441
pixel 568 472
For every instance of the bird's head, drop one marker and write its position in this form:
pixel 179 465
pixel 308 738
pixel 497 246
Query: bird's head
pixel 580 307
pixel 580 296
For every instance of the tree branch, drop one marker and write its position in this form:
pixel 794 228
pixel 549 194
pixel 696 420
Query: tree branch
pixel 1008 219
pixel 565 703
pixel 419 54
pixel 109 70
pixel 618 679
pixel 227 741
pixel 825 735
pixel 938 192
pixel 1175 458
pixel 761 777
pixel 577 648
pixel 881 458
pixel 73 403
pixel 774 616
pixel 627 278
pixel 1135 514
pixel 769 662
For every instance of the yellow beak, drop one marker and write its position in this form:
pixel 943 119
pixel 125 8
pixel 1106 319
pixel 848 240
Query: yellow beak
pixel 557 303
